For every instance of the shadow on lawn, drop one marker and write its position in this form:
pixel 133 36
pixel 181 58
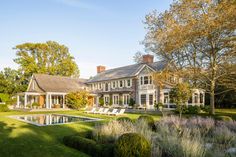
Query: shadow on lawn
pixel 26 140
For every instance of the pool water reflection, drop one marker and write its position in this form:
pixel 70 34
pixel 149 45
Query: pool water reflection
pixel 52 119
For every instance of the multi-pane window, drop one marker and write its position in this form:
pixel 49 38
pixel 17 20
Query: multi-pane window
pixel 128 82
pixel 150 80
pixel 166 98
pixel 100 85
pixel 114 84
pixel 145 78
pixel 116 99
pixel 141 80
pixel 151 99
pixel 143 99
pixel 195 98
pixel 106 87
pixel 126 99
pixel 121 83
pixel 201 98
pixel 106 99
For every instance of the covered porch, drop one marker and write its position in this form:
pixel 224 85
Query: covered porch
pixel 38 100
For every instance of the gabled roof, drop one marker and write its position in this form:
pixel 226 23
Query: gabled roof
pixel 50 83
pixel 126 71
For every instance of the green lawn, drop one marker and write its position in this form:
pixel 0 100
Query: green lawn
pixel 19 139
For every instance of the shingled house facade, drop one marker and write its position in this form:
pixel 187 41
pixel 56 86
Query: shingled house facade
pixel 115 86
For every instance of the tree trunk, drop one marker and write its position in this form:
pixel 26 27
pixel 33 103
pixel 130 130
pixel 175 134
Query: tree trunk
pixel 212 98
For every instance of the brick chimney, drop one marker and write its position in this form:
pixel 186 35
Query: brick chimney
pixel 148 58
pixel 100 69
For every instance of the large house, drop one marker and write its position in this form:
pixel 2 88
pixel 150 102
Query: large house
pixel 115 86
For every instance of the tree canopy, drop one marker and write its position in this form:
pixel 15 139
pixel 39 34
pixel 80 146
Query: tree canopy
pixel 47 58
pixel 198 40
pixel 77 100
pixel 11 81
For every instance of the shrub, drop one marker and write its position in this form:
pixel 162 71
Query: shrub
pixel 101 101
pixel 148 119
pixel 77 100
pixel 194 109
pixel 223 136
pixel 111 131
pixel 131 102
pixel 132 144
pixel 4 97
pixel 224 118
pixel 35 104
pixel 108 133
pixel 120 119
pixel 173 138
pixel 88 146
pixel 4 108
pixel 182 108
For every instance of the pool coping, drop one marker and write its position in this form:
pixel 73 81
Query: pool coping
pixel 36 124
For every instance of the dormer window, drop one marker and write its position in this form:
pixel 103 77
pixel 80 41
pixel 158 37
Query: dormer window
pixel 121 83
pixel 145 79
pixel 128 83
pixel 114 84
pixel 141 80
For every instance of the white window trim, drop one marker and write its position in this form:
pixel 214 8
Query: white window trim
pixel 130 83
pixel 113 100
pixel 127 97
pixel 122 84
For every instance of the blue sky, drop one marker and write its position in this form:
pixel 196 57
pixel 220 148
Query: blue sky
pixel 97 32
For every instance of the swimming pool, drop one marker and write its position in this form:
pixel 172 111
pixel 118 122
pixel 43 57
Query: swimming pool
pixel 52 119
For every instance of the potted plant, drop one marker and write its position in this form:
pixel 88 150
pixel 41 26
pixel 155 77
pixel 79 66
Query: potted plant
pixel 57 106
pixel 35 105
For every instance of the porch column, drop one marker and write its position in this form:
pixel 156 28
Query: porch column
pixel 18 101
pixel 198 98
pixel 147 101
pixel 203 98
pixel 193 98
pixel 25 103
pixel 98 101
pixel 63 101
pixel 47 104
pixel 50 101
pixel 161 97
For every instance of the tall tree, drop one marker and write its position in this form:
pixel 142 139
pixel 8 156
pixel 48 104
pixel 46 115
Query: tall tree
pixel 11 81
pixel 197 37
pixel 49 58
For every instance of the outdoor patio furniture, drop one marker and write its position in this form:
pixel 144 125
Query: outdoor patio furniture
pixel 91 111
pixel 112 112
pixel 122 111
pixel 105 111
pixel 99 111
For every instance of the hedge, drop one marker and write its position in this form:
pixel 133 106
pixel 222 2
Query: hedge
pixel 4 108
pixel 120 119
pixel 224 118
pixel 132 145
pixel 89 146
pixel 148 119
